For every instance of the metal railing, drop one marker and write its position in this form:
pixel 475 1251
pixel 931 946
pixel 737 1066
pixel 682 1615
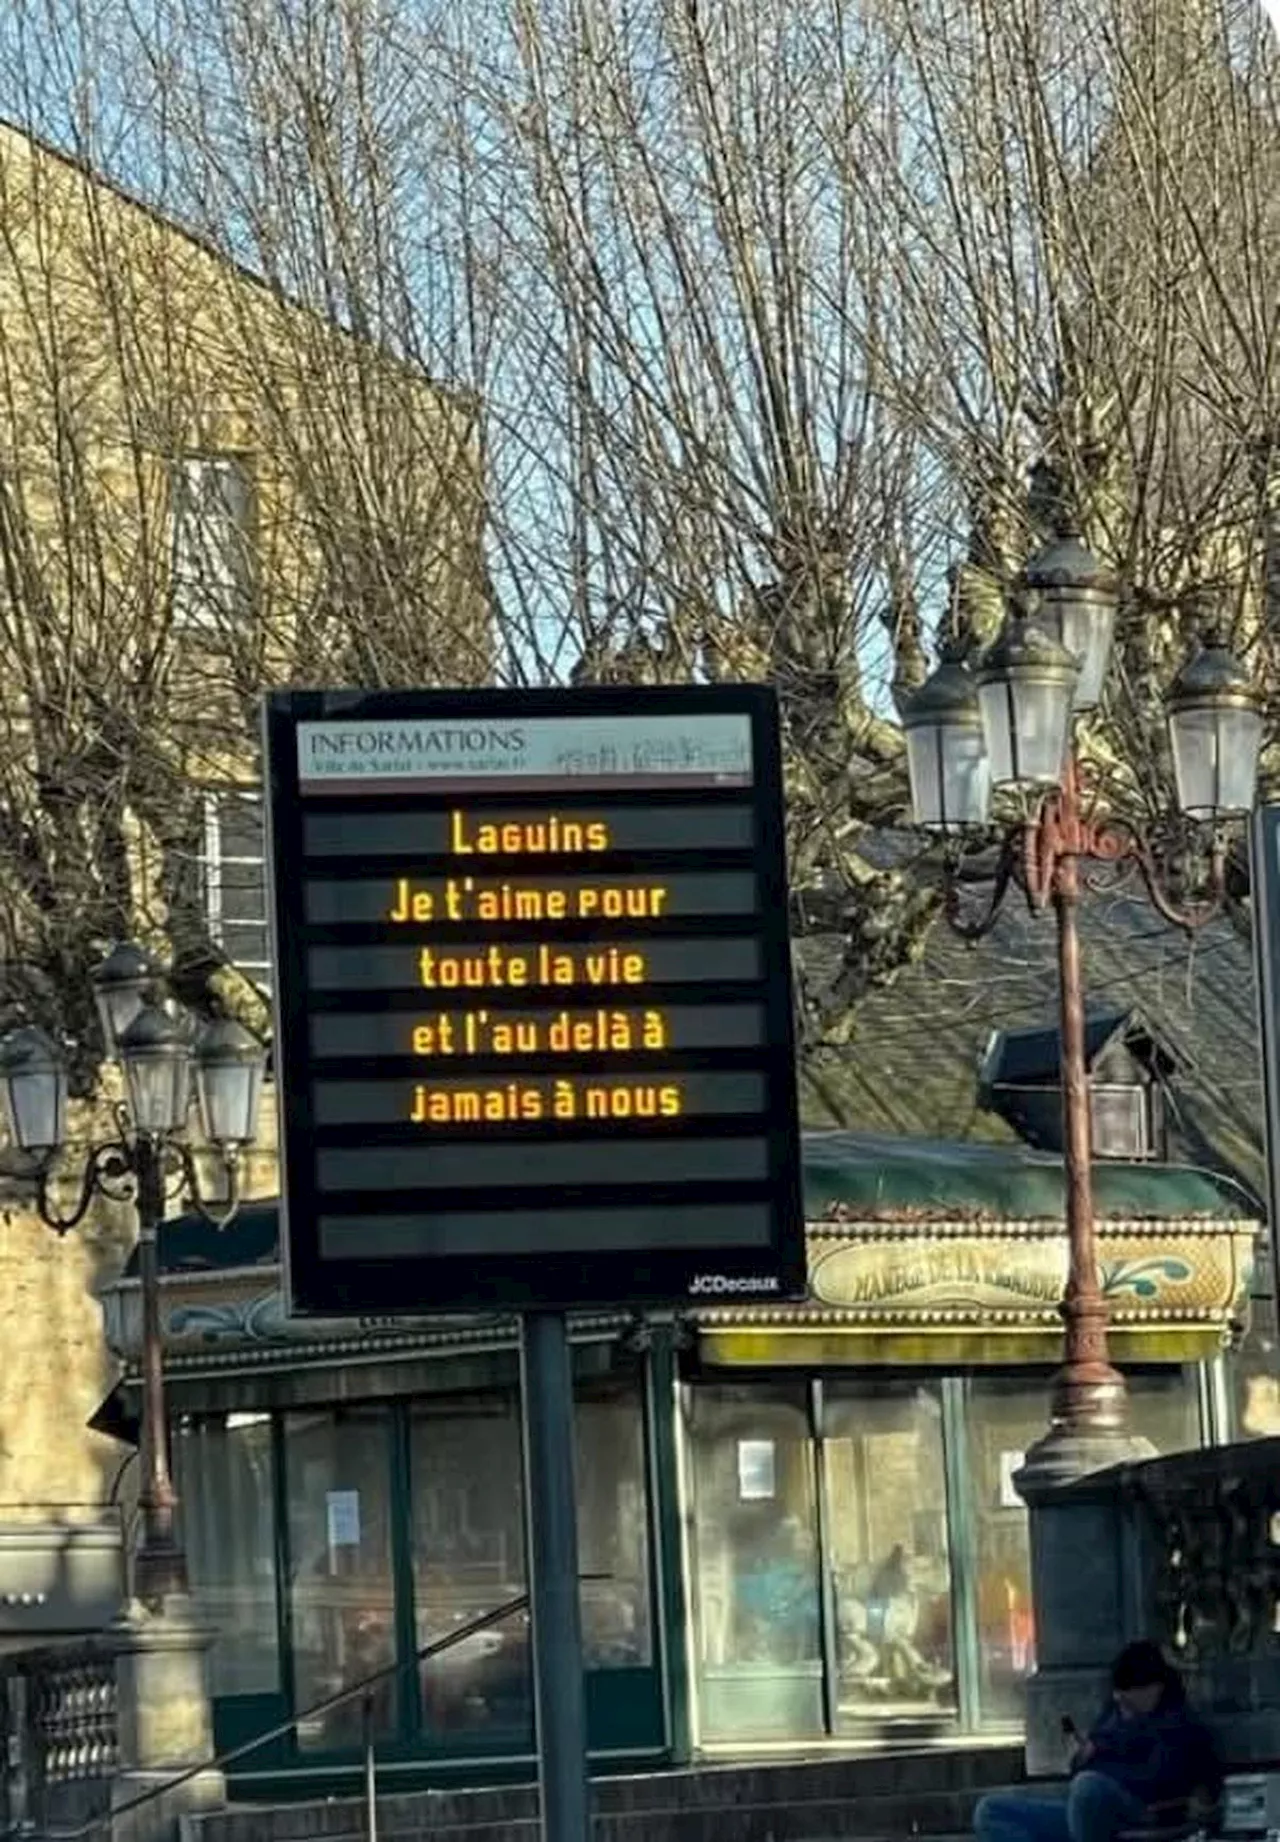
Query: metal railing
pixel 361 1691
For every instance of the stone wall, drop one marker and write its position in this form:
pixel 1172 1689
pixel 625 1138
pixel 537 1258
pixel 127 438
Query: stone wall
pixel 56 1370
pixel 887 1795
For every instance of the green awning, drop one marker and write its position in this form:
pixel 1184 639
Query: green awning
pixel 868 1177
pixel 858 1176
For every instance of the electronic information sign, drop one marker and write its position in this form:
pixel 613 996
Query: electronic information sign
pixel 533 1030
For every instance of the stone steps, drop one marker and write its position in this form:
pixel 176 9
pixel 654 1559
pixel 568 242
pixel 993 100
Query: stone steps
pixel 756 1823
pixel 883 1797
pixel 806 1821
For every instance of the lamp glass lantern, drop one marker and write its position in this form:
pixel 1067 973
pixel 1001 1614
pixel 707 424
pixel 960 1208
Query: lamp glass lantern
pixel 1075 603
pixel 947 762
pixel 157 1067
pixel 34 1082
pixel 1026 685
pixel 229 1068
pixel 1215 733
pixel 121 987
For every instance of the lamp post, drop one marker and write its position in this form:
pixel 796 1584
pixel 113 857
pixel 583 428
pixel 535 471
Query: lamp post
pixel 1049 664
pixel 146 1161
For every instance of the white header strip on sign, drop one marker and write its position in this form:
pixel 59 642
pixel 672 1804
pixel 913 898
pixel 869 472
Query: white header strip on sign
pixel 584 751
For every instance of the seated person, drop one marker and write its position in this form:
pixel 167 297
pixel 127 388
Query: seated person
pixel 859 1658
pixel 1146 1751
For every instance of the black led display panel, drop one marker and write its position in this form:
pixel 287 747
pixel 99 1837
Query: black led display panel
pixel 533 999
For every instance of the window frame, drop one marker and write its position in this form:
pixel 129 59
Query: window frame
pixel 627 1706
pixel 210 558
pixel 1140 1114
pixel 194 1515
pixel 214 862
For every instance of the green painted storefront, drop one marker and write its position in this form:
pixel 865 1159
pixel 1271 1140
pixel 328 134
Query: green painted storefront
pixel 801 1516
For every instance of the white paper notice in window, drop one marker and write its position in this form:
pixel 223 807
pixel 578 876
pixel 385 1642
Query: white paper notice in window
pixel 342 1514
pixel 1010 1465
pixel 757 1470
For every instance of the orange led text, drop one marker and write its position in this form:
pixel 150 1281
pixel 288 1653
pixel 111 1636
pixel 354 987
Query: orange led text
pixel 559 1033
pixel 501 968
pixel 549 837
pixel 460 899
pixel 513 1101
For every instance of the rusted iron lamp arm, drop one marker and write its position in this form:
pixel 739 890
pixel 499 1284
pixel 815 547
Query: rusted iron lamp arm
pixel 1032 854
pixel 111 1171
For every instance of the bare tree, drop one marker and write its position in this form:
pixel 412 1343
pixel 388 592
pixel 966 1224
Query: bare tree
pixel 759 316
pixel 807 293
pixel 1084 198
pixel 207 486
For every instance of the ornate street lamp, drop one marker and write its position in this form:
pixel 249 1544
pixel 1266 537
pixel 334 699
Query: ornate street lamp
pixel 35 1091
pixel 1215 732
pixel 122 985
pixel 946 754
pixel 1029 688
pixel 156 1057
pixel 146 1162
pixel 1074 597
pixel 1025 688
pixel 230 1067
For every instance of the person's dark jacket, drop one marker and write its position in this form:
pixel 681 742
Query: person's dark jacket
pixel 1156 1757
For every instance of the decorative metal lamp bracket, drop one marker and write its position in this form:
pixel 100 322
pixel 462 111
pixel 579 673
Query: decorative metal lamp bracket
pixel 115 1170
pixel 1060 832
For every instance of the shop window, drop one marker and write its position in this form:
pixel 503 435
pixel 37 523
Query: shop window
pixel 1164 1407
pixel 342 1600
pixel 225 1474
pixel 1005 1416
pixel 1253 1368
pixel 613 1528
pixel 759 1651
pixel 888 1551
pixel 468 1559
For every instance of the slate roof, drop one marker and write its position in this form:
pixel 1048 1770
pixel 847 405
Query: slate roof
pixel 913 1065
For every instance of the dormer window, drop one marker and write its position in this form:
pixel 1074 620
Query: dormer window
pixel 1120 1119
pixel 1129 1067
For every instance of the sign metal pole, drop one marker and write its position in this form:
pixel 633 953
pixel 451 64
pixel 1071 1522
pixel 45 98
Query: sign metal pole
pixel 559 1697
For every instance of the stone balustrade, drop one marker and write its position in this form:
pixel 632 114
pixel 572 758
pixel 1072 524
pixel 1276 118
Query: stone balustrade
pixel 63 1734
pixel 111 1735
pixel 1210 1525
pixel 1184 1549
